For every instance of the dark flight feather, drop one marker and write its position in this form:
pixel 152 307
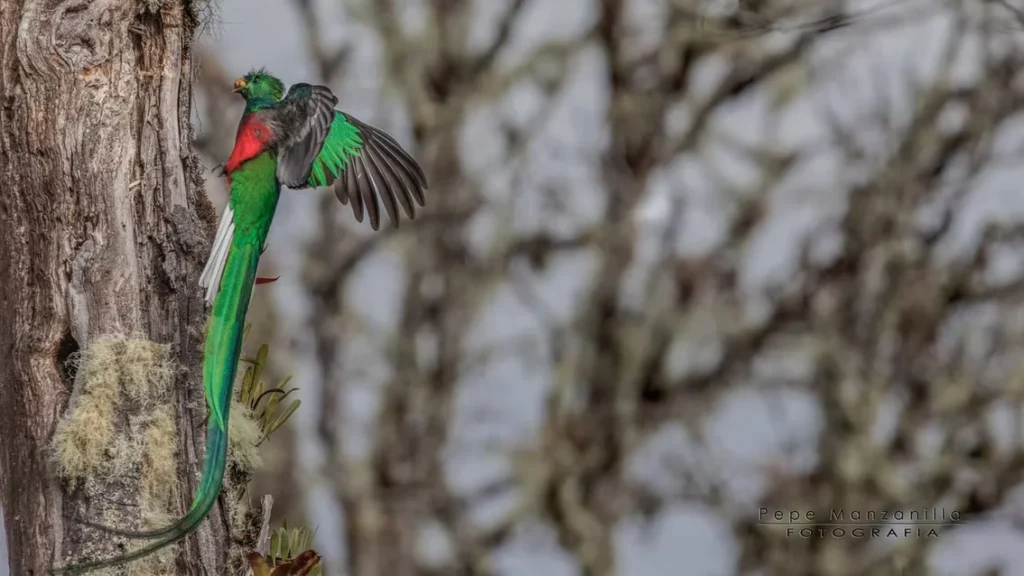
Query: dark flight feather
pixel 303 119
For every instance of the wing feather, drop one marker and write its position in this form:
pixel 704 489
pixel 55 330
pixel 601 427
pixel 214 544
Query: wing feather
pixel 368 168
pixel 351 190
pixel 302 120
pixel 394 150
pixel 398 180
pixel 367 190
pixel 382 185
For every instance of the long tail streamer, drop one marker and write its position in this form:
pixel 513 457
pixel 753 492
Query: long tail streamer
pixel 220 362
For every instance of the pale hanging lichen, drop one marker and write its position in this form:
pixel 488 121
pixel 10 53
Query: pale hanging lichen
pixel 146 370
pixel 111 369
pixel 122 424
pixel 244 433
pixel 159 490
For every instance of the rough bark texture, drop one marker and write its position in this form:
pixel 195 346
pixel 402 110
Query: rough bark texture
pixel 105 228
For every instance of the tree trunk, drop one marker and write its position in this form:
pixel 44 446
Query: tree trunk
pixel 105 227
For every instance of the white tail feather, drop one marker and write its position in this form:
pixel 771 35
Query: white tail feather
pixel 218 271
pixel 210 278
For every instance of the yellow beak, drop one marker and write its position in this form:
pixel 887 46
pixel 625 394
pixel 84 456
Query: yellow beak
pixel 240 85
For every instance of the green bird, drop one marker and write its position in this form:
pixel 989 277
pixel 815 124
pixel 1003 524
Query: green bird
pixel 299 141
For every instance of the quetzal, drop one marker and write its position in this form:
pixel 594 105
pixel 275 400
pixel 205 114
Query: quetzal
pixel 299 141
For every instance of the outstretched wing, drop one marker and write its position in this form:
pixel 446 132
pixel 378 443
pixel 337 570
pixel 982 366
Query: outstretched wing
pixel 301 121
pixel 369 168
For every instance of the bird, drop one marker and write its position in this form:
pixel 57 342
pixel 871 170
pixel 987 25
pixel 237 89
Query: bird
pixel 296 140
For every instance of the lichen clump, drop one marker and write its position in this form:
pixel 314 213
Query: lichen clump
pixel 159 489
pixel 122 425
pixel 243 434
pixel 159 474
pixel 111 369
pixel 96 439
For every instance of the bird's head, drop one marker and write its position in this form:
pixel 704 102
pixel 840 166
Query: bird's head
pixel 259 84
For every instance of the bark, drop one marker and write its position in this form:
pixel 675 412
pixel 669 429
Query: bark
pixel 106 228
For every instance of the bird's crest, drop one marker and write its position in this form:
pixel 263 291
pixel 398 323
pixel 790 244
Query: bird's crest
pixel 259 83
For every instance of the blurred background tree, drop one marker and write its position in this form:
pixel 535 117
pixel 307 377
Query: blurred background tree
pixel 682 260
